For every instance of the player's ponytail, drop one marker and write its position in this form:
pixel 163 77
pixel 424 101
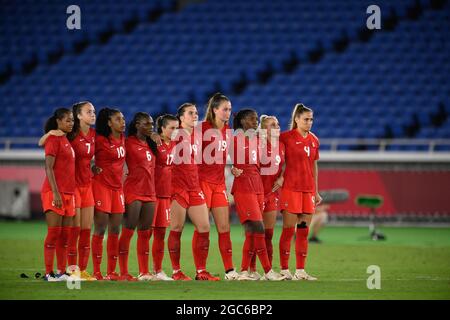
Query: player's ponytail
pixel 214 103
pixel 76 109
pixel 58 114
pixel 298 110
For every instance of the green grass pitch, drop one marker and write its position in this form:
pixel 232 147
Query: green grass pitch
pixel 414 262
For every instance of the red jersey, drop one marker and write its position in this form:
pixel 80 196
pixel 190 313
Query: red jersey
pixel 84 147
pixel 110 157
pixel 246 158
pixel 185 169
pixel 273 160
pixel 163 170
pixel 300 156
pixel 64 166
pixel 141 168
pixel 215 149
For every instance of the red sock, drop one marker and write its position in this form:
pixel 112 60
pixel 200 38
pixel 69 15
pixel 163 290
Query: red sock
pixel 158 248
pixel 97 251
pixel 50 241
pixel 72 246
pixel 260 249
pixel 124 247
pixel 301 246
pixel 253 261
pixel 247 252
pixel 269 235
pixel 143 249
pixel 112 249
pixel 285 246
pixel 226 250
pixel 174 245
pixel 84 248
pixel 61 249
pixel 200 248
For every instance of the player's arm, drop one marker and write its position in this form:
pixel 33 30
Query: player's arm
pixel 279 182
pixel 49 163
pixel 156 138
pixel 316 181
pixel 44 138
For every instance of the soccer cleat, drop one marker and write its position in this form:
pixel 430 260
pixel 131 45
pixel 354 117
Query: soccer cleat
pixel 50 277
pixel 180 276
pixel 85 276
pixel 161 276
pixel 245 276
pixel 273 276
pixel 287 274
pixel 127 277
pixel 63 276
pixel 302 275
pixel 113 276
pixel 255 275
pixel 231 275
pixel 145 277
pixel 98 276
pixel 206 276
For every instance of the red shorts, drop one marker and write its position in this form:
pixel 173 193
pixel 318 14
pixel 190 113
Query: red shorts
pixel 297 202
pixel 68 204
pixel 161 218
pixel 249 206
pixel 215 194
pixel 188 199
pixel 131 197
pixel 271 202
pixel 108 200
pixel 84 197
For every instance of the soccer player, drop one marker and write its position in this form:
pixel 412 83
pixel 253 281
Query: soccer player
pixel 58 193
pixel 165 126
pixel 299 193
pixel 107 187
pixel 248 192
pixel 269 132
pixel 211 171
pixel 187 196
pixel 82 139
pixel 140 196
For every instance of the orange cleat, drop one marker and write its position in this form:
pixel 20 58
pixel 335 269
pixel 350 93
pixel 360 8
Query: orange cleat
pixel 179 275
pixel 206 276
pixel 127 277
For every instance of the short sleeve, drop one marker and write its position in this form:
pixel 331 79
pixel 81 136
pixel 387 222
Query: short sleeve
pixel 52 146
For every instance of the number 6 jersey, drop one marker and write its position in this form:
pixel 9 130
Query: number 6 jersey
pixel 110 157
pixel 300 156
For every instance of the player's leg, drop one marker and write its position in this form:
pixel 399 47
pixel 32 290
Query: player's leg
pixel 74 233
pixel 62 244
pixel 160 223
pixel 54 222
pixel 114 224
pixel 177 219
pixel 221 217
pixel 129 224
pixel 289 223
pixel 269 219
pixel 84 243
pixel 301 246
pixel 100 224
pixel 144 234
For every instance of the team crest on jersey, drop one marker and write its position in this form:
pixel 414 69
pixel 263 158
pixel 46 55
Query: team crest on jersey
pixel 313 145
pixel 99 203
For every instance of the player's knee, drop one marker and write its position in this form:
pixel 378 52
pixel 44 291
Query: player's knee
pixel 302 225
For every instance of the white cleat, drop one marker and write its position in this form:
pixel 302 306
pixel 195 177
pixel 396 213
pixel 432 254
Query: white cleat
pixel 245 276
pixel 161 276
pixel 273 276
pixel 256 276
pixel 302 275
pixel 287 274
pixel 145 277
pixel 231 275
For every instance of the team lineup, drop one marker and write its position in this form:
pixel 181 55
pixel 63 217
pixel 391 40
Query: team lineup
pixel 176 171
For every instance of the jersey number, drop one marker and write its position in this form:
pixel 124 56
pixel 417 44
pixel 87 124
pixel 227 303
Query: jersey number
pixel 120 152
pixel 169 159
pixel 149 155
pixel 88 145
pixel 306 148
pixel 222 146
